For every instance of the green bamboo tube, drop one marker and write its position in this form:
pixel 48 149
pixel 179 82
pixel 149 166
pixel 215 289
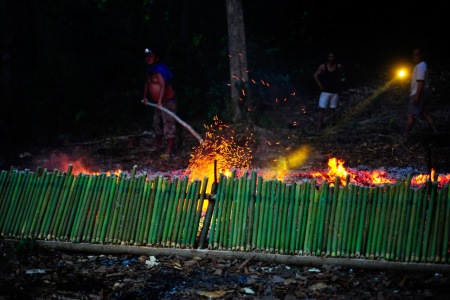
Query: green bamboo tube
pixel 362 217
pixel 9 207
pixel 436 221
pixel 180 200
pixel 356 215
pixel 152 195
pixel 429 222
pixel 189 233
pixel 90 234
pixel 198 213
pixel 356 211
pixel 7 195
pixel 55 226
pixel 398 188
pixel 303 209
pixel 441 225
pixel 382 203
pixel 348 250
pixel 72 207
pixel 244 225
pixel 216 231
pixel 262 225
pixel 191 227
pixel 346 213
pixel 18 197
pixel 24 203
pixel 234 213
pixel 183 215
pixel 398 219
pixel 83 208
pixel 102 209
pixel 321 219
pixel 284 241
pixel 342 216
pixel 313 200
pixel 446 240
pixel 371 212
pixel 275 215
pixel 337 234
pixel 326 227
pixel 185 219
pixel 52 207
pixel 121 217
pixel 365 243
pixel 86 209
pixel 240 233
pixel 36 215
pixel 102 221
pixel 388 225
pixel 250 211
pixel 290 200
pixel 409 201
pixel 237 201
pixel 131 217
pixel 171 212
pixel 30 205
pixel 16 219
pixel 136 209
pixel 61 206
pixel 257 214
pixel 403 201
pixel 412 233
pixel 142 213
pixel 156 211
pixel 126 209
pixel 117 212
pixel 179 214
pixel 163 214
pixel 278 218
pixel 187 216
pixel 170 215
pixel 4 176
pixel 330 221
pixel 269 213
pixel 423 203
pixel 378 195
pixel 80 203
pixel 213 238
pixel 43 215
pixel 225 226
pixel 297 192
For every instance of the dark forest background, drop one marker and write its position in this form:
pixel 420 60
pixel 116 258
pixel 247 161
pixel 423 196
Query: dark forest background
pixel 73 70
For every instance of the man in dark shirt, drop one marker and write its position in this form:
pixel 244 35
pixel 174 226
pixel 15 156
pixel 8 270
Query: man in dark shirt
pixel 328 77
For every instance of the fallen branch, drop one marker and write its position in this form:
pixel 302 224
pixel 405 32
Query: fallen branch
pixel 189 128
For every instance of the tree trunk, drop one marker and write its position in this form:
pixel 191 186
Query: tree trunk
pixel 238 57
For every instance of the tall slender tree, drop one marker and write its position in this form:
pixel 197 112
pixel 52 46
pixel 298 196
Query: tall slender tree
pixel 238 57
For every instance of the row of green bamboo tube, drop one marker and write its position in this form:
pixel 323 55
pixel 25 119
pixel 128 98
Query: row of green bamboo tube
pixel 130 210
pixel 392 222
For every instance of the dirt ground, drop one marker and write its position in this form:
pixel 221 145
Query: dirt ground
pixel 368 134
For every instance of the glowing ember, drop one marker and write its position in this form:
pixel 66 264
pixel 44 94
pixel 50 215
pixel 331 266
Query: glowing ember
pixel 220 147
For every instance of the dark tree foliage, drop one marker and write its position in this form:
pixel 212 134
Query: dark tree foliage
pixel 73 70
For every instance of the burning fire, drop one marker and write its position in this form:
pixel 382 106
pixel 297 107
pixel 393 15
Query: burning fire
pixel 219 153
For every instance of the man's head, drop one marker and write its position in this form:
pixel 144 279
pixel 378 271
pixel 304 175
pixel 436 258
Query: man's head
pixel 150 56
pixel 417 55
